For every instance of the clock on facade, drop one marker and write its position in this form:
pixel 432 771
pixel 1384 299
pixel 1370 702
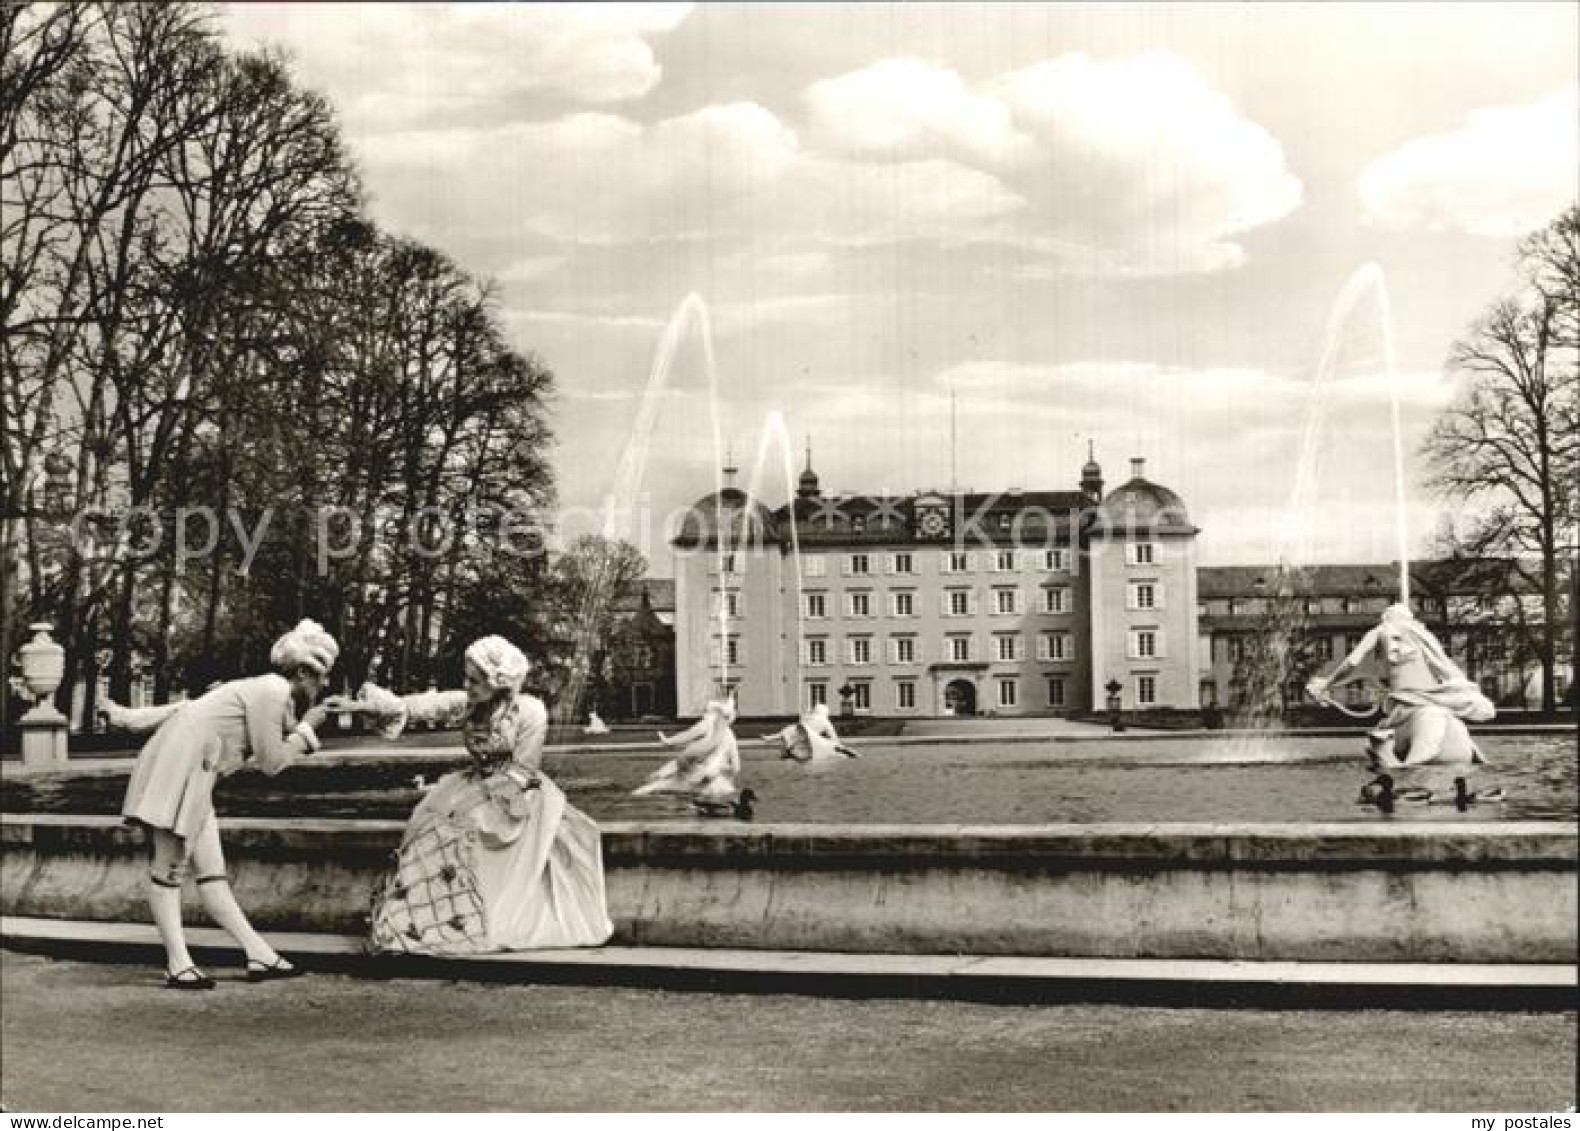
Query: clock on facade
pixel 932 519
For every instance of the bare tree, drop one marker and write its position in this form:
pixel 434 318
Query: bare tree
pixel 1509 447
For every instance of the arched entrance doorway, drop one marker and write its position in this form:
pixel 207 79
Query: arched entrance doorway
pixel 960 697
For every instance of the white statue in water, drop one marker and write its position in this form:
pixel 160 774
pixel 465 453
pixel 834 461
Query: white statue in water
pixel 595 724
pixel 1429 699
pixel 709 768
pixel 812 738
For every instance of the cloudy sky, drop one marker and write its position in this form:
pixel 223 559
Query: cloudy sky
pixel 1122 224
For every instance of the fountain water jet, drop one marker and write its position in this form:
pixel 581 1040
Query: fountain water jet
pixel 628 476
pixel 1293 550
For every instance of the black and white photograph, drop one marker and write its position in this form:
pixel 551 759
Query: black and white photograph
pixel 789 557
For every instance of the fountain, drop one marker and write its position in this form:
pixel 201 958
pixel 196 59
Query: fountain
pixel 1114 848
pixel 1287 614
pixel 628 476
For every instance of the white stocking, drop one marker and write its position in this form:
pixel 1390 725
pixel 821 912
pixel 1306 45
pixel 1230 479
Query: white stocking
pixel 219 901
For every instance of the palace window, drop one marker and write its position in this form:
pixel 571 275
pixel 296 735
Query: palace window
pixel 905 649
pixel 905 604
pixel 861 604
pixel 1004 560
pixel 1056 560
pixel 732 651
pixel 1056 600
pixel 814 565
pixel 816 695
pixel 861 696
pixel 1053 646
pixel 1146 690
pixel 1146 595
pixel 817 651
pixel 956 561
pixel 959 602
pixel 1144 643
pixel 1140 553
pixel 860 650
pixel 816 606
pixel 1005 601
pixel 1008 647
pixel 1055 692
pixel 903 563
pixel 1008 691
pixel 860 565
pixel 960 648
pixel 905 695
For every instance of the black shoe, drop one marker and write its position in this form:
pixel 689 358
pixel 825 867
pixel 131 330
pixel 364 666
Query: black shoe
pixel 189 979
pixel 271 971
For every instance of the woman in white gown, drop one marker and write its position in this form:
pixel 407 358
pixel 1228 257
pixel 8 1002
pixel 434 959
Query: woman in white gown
pixel 494 857
pixel 1429 698
pixel 709 768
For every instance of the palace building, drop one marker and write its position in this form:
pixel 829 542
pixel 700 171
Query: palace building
pixel 939 603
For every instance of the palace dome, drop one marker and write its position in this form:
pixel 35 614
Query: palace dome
pixel 744 520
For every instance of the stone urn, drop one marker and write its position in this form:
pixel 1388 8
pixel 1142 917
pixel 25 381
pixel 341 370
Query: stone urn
pixel 43 728
pixel 43 662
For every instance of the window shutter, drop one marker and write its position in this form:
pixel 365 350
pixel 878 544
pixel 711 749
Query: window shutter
pixel 844 565
pixel 1130 596
pixel 971 560
pixel 1157 594
pixel 971 602
pixel 1158 640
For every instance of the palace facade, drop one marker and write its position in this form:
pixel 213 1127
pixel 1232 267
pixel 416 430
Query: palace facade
pixel 939 603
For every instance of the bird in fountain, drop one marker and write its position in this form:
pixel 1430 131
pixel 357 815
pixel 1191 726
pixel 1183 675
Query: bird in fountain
pixel 740 808
pixel 1464 798
pixel 708 768
pixel 812 738
pixel 1379 792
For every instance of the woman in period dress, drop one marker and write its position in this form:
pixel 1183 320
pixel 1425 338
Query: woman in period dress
pixel 1429 698
pixel 267 721
pixel 494 857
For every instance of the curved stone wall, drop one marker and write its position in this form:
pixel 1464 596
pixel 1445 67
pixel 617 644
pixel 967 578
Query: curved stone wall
pixel 1445 892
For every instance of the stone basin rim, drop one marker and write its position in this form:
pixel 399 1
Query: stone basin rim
pixel 1544 845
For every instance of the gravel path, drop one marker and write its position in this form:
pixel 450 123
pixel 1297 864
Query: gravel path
pixel 88 1037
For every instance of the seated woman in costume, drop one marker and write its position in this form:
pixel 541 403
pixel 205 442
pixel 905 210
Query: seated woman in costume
pixel 494 857
pixel 1428 701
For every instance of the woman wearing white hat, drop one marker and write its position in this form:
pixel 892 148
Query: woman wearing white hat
pixel 494 857
pixel 267 721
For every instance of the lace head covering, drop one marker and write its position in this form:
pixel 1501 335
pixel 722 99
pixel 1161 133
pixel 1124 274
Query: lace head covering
pixel 307 645
pixel 503 665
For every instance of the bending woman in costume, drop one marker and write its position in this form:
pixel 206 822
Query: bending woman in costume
pixel 494 857
pixel 1429 698
pixel 268 721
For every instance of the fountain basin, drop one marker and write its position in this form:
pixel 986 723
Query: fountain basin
pixel 1469 891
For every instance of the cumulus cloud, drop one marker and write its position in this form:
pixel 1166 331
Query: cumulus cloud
pixel 909 107
pixel 723 171
pixel 396 65
pixel 1506 171
pixel 1129 166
